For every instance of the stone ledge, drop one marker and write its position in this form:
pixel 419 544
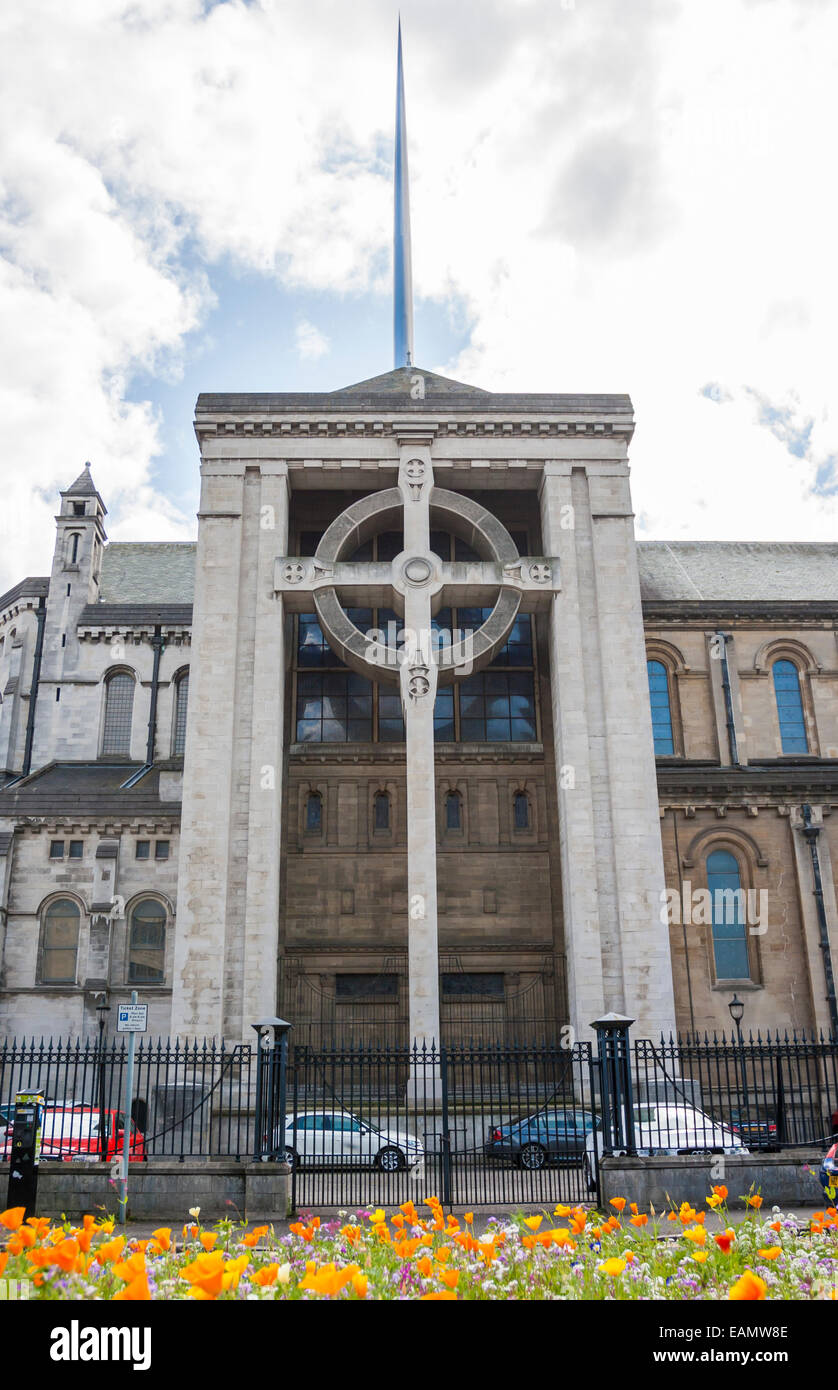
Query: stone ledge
pixel 166 1191
pixel 782 1179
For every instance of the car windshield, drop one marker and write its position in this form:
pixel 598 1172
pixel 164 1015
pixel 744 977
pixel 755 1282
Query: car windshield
pixel 62 1124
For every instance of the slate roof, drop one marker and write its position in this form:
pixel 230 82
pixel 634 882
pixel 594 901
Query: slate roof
pixel 391 391
pixel 738 571
pixel 143 572
pixel 132 614
pixel 83 486
pixel 36 586
pixel 91 789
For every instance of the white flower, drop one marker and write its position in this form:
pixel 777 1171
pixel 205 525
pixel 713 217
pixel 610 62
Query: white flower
pixel 195 1212
pixel 283 1274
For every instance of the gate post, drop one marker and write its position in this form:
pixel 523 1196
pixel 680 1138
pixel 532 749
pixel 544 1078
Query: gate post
pixel 614 1061
pixel 445 1137
pixel 271 1064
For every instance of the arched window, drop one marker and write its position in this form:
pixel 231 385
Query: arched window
pixel 522 811
pixel 790 707
pixel 381 808
pixel 314 811
pixel 661 710
pixel 453 811
pixel 147 943
pixel 181 703
pixel 60 942
pixel 730 943
pixel 119 707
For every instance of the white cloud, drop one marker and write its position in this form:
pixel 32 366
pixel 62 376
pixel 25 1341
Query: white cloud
pixel 311 343
pixel 622 197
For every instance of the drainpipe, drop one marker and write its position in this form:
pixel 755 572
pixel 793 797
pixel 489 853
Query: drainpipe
pixel 157 644
pixel 683 923
pixel 731 726
pixel 40 615
pixel 811 833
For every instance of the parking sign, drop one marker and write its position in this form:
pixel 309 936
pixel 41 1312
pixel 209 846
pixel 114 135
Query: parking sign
pixel 132 1018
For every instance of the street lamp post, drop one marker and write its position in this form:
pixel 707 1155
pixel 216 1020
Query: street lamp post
pixel 102 1011
pixel 737 1010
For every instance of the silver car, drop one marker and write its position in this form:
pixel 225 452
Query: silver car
pixel 338 1139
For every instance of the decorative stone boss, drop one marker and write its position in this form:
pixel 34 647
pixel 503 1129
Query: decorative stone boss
pixel 417 583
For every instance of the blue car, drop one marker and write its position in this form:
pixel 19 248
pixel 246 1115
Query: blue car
pixel 551 1136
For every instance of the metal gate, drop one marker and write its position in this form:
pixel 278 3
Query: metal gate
pixel 475 1126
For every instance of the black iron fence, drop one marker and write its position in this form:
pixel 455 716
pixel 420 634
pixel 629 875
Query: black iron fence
pixel 763 1093
pixel 188 1099
pixel 474 1125
pixel 475 1122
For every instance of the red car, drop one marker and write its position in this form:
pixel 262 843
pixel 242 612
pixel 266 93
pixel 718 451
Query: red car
pixel 71 1132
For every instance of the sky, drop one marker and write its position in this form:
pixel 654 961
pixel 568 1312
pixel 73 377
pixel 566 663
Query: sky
pixel 605 196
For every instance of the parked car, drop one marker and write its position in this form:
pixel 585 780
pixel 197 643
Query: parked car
pixel 556 1136
pixel 72 1133
pixel 336 1139
pixel 760 1131
pixel 668 1128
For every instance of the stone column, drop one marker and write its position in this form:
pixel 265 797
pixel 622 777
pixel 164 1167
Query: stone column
pixel 580 899
pixel 198 983
pixel 609 821
pixel 261 925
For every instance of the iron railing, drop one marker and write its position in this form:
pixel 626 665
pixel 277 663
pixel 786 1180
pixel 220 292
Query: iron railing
pixel 474 1125
pixel 768 1092
pixel 189 1099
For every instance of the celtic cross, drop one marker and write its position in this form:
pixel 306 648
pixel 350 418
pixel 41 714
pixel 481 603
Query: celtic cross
pixel 417 583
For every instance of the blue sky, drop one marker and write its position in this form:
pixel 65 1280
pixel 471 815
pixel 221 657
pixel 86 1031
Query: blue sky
pixel 249 342
pixel 605 197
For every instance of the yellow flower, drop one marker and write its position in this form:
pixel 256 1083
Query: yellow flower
pixel 771 1253
pixel 714 1201
pixel 533 1222
pixel 376 1217
pixel 700 1256
pixel 696 1234
pixel 614 1267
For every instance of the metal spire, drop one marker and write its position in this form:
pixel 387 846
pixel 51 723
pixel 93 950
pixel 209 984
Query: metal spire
pixel 402 268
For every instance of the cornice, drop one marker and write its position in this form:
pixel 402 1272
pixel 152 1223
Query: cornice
pixel 703 611
pixel 341 754
pixel 226 426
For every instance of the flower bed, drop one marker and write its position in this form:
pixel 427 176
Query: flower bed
pixel 420 1254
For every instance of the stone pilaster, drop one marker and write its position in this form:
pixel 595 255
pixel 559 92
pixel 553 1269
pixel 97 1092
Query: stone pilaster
pixel 261 913
pixel 199 959
pixel 612 863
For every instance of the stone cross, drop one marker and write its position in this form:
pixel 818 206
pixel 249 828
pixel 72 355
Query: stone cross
pixel 417 583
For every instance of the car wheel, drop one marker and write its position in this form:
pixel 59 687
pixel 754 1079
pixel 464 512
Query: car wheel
pixel 590 1181
pixel 532 1157
pixel 390 1160
pixel 290 1158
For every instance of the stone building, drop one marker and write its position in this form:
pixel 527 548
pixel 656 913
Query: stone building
pixel 218 786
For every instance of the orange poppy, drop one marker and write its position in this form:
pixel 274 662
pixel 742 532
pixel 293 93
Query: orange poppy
pixel 725 1240
pixel 750 1286
pixel 12 1218
pixel 618 1203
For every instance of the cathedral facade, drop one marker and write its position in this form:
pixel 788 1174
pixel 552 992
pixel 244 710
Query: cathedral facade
pixel 603 780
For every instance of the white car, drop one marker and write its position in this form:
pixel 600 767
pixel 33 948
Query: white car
pixel 665 1128
pixel 335 1138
